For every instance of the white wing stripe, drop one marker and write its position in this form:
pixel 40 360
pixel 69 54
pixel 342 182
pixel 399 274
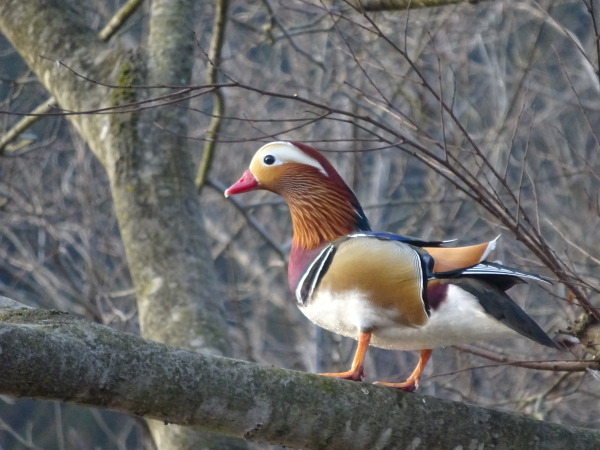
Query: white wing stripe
pixel 321 259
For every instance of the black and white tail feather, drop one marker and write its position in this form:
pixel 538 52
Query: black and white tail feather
pixel 492 270
pixel 488 281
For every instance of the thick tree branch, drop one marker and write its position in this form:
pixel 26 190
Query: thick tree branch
pixel 114 24
pixel 403 5
pixel 51 355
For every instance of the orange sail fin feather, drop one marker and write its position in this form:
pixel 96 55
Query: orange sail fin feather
pixel 382 289
pixel 453 258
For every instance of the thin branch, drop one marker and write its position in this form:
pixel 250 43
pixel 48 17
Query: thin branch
pixel 449 167
pixel 275 20
pixel 167 99
pixel 529 235
pixel 220 188
pixel 119 18
pixel 573 244
pixel 42 110
pixel 592 12
pixel 214 62
pixel 554 366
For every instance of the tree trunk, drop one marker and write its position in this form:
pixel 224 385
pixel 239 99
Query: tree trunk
pixel 150 170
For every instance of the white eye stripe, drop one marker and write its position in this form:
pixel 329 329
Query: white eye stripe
pixel 286 152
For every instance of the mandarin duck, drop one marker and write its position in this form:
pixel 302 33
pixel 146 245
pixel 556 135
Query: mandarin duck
pixel 382 289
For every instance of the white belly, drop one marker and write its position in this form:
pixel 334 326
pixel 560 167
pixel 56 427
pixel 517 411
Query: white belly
pixel 459 319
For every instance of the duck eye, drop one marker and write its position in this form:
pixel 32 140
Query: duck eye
pixel 269 160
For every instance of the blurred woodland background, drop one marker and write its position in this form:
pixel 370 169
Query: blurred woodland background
pixel 463 121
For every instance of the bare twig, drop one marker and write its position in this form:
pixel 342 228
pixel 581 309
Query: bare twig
pixel 554 366
pixel 214 62
pixel 449 166
pixel 117 21
pixel 42 110
pixel 220 188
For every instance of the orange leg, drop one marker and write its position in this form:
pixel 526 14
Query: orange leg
pixel 412 382
pixel 356 372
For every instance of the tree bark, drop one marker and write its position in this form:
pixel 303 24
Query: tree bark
pixel 403 5
pixel 150 170
pixel 51 355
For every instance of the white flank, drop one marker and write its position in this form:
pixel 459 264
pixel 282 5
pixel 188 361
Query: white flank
pixel 460 319
pixel 321 259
